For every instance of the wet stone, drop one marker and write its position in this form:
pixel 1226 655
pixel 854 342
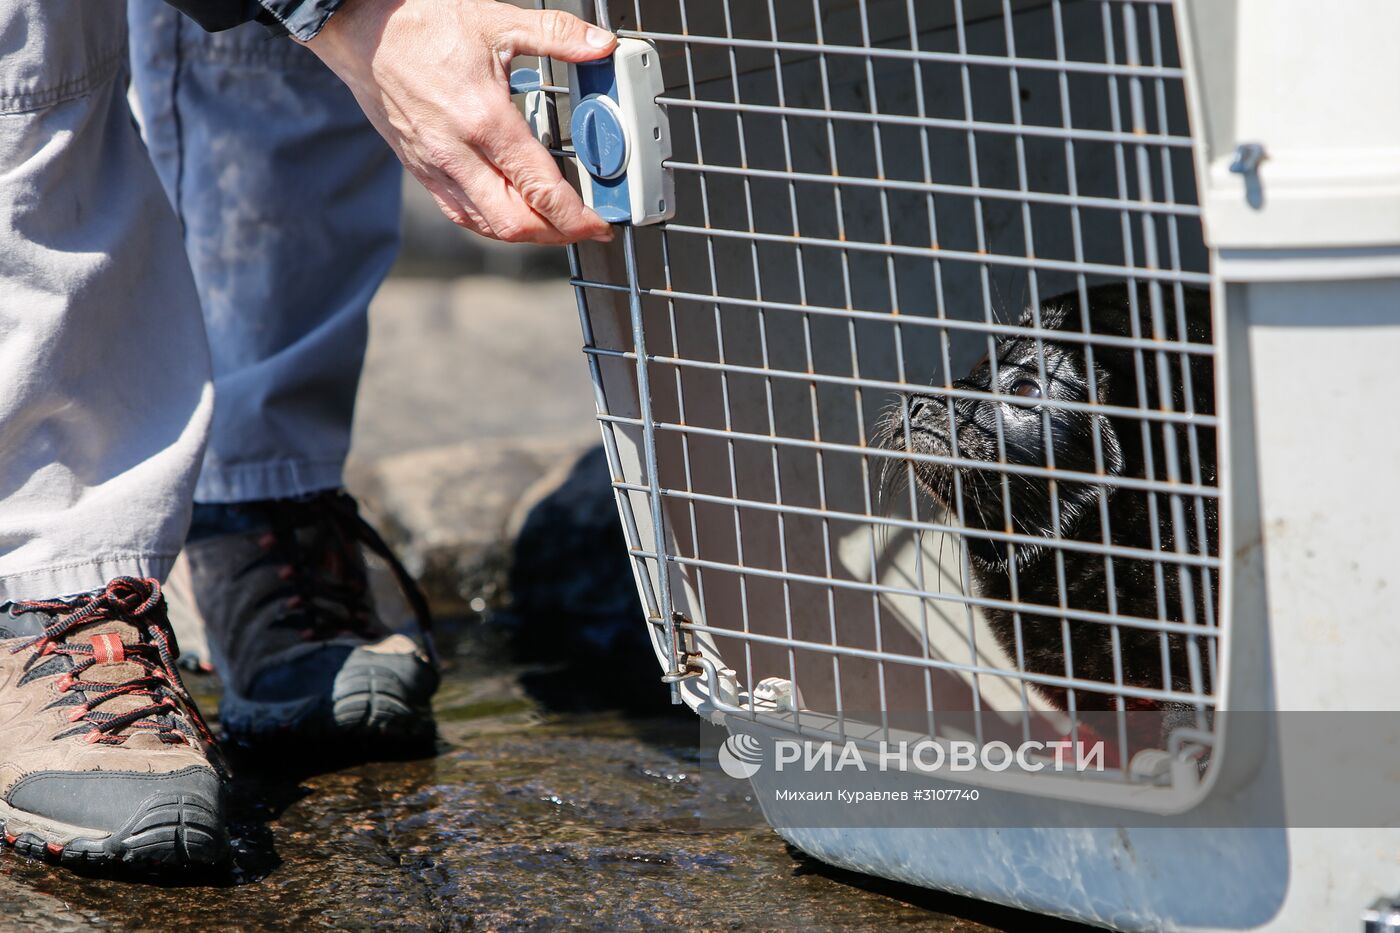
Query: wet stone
pixel 527 817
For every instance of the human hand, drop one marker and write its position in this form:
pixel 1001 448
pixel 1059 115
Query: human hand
pixel 433 78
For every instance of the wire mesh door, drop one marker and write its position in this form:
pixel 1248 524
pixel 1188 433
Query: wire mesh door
pixel 913 400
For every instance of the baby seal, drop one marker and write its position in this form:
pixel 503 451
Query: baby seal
pixel 1030 573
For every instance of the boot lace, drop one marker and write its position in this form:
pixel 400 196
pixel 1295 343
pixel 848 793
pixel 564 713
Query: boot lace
pixel 137 603
pixel 314 543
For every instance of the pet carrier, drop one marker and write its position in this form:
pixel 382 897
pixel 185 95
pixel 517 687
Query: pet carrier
pixel 1017 363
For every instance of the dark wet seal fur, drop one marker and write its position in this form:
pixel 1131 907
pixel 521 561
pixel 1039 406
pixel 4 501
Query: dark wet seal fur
pixel 1141 588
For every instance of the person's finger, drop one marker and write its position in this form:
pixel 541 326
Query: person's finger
pixel 553 33
pixel 532 171
pixel 472 194
pixel 453 202
pixel 509 215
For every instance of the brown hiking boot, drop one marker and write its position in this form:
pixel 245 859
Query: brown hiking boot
pixel 293 630
pixel 104 758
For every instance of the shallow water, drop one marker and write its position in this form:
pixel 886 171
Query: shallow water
pixel 526 818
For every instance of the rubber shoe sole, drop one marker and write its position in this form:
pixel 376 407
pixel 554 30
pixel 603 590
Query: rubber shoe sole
pixel 170 831
pixel 384 700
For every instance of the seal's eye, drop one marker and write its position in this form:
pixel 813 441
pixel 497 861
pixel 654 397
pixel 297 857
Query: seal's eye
pixel 1026 389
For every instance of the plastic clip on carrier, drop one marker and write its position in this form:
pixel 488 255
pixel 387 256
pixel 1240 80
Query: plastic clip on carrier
pixel 620 133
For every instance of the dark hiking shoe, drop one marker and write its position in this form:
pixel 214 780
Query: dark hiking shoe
pixel 104 759
pixel 292 629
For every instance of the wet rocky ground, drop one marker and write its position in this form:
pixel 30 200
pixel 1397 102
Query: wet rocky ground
pixel 527 816
pixel 564 790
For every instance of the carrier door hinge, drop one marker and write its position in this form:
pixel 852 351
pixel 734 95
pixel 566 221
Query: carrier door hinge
pixel 686 656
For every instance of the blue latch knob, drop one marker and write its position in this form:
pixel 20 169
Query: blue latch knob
pixel 599 138
pixel 525 80
pixel 620 134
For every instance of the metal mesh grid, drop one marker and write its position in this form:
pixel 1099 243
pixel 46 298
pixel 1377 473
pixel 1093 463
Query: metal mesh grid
pixel 872 194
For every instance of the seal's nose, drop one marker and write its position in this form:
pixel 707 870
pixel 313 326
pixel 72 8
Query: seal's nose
pixel 916 405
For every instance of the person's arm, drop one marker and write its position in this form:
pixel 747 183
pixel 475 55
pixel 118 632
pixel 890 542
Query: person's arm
pixel 433 78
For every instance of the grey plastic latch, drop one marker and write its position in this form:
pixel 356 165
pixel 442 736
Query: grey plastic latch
pixel 621 135
pixel 539 105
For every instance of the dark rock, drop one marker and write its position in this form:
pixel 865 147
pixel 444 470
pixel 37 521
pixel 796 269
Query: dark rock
pixel 569 555
pixel 572 598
